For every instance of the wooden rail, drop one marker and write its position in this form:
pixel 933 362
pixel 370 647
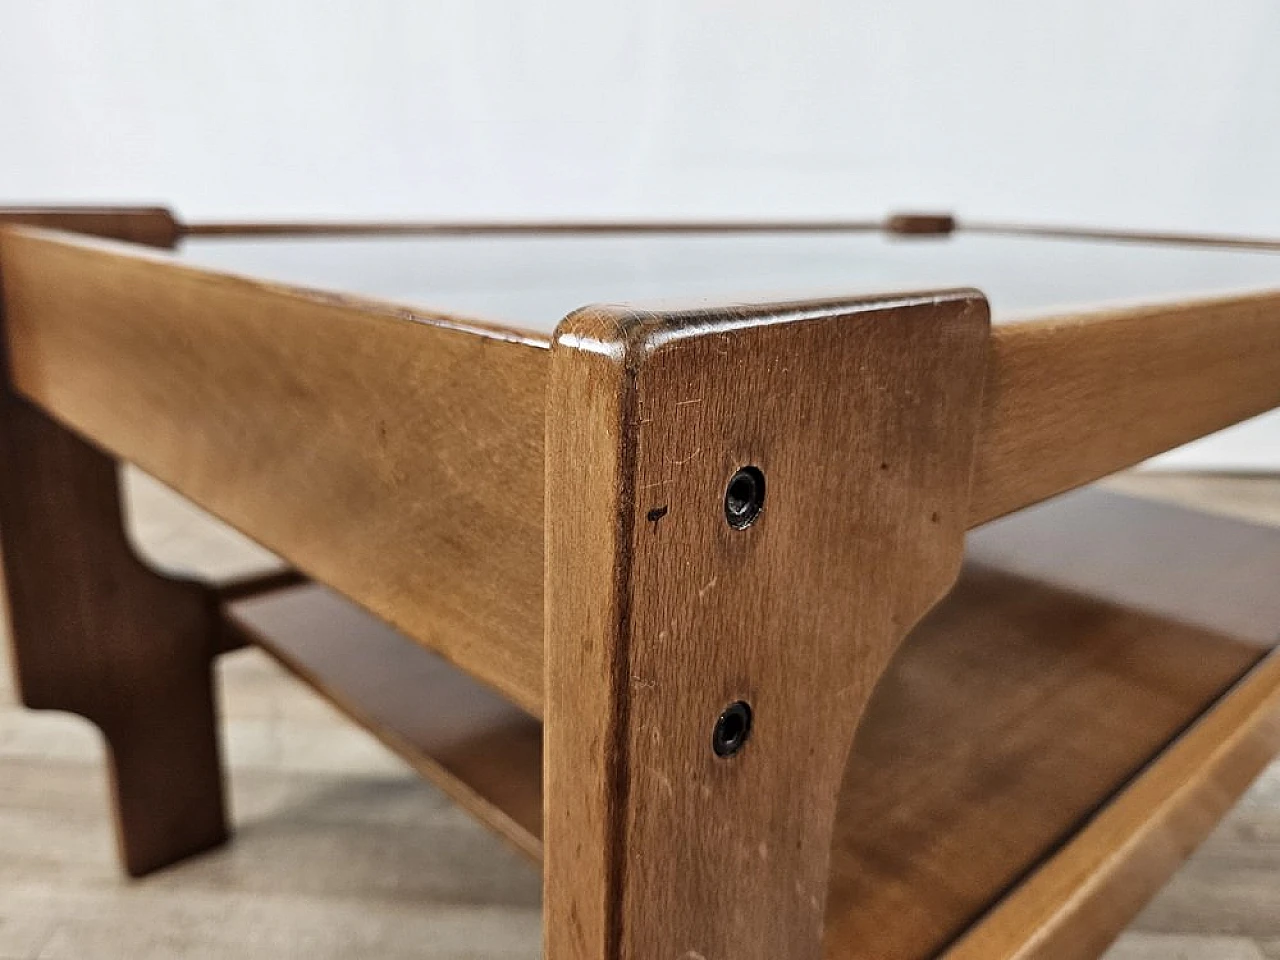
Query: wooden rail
pixel 397 454
pixel 386 452
pixel 159 226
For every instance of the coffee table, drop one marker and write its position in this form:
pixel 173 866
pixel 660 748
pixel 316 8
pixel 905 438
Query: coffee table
pixel 752 601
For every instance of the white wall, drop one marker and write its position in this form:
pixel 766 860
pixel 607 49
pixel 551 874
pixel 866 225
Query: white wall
pixel 1162 113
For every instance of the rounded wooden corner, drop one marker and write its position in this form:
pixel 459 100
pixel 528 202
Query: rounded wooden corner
pixel 615 332
pixel 660 616
pixel 627 334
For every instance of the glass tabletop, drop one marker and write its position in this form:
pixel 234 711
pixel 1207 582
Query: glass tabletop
pixel 531 282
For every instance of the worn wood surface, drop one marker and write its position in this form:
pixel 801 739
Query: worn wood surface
pixel 660 614
pixel 382 451
pixel 441 464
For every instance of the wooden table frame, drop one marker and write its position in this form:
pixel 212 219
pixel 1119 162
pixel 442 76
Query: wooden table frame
pixel 548 515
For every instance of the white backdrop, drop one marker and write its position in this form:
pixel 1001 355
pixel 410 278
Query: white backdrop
pixel 1164 113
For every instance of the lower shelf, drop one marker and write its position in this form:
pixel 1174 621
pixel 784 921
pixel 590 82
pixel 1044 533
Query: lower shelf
pixel 1074 661
pixel 472 742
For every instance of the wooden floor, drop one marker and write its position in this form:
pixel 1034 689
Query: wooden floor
pixel 341 851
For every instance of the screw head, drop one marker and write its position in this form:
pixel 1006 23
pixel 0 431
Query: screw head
pixel 744 497
pixel 732 730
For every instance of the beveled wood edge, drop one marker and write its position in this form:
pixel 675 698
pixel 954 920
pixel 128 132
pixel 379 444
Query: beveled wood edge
pixel 1082 898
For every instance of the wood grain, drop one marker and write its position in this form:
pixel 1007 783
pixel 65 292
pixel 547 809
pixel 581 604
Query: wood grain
pixel 416 439
pixel 1071 616
pixel 1059 621
pixel 481 750
pixel 1082 898
pixel 660 614
pixel 97 633
pixel 384 452
pixel 1067 657
pixel 1073 398
pixel 630 758
pixel 342 852
pixel 149 226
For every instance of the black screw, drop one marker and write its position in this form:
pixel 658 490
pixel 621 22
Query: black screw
pixel 732 729
pixel 744 497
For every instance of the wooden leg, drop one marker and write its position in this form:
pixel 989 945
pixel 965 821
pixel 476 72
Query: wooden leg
pixel 97 633
pixel 706 670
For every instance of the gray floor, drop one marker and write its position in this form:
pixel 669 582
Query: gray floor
pixel 342 852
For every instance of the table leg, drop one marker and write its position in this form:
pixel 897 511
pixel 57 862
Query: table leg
pixel 746 512
pixel 97 633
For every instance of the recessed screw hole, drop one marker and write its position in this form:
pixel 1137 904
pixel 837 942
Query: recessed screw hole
pixel 744 497
pixel 732 729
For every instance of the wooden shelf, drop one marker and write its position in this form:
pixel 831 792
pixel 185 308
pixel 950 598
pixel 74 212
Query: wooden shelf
pixel 1032 699
pixel 478 747
pixel 1041 687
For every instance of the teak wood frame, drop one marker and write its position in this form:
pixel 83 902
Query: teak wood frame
pixel 885 428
